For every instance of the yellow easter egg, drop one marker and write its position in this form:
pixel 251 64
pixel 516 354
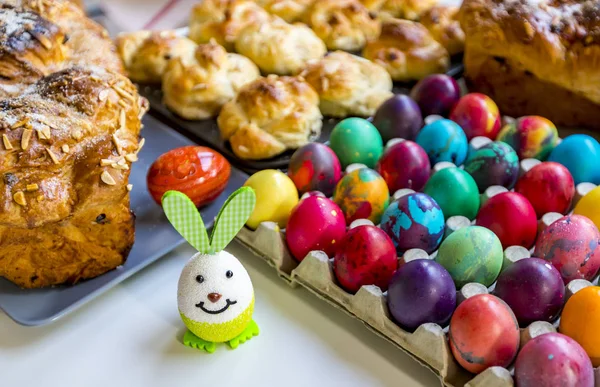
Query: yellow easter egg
pixel 276 195
pixel 589 206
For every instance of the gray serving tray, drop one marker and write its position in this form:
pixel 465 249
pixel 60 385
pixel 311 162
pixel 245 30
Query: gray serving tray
pixel 154 237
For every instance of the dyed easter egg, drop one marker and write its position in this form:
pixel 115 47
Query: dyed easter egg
pixel 530 136
pixel 365 256
pixel 483 333
pixel 436 94
pixel 580 320
pixel 580 153
pixel 197 171
pixel 404 165
pixel 276 195
pixel 316 223
pixel 420 292
pixel 495 163
pixel 548 186
pixel 414 221
pixel 471 254
pixel 314 167
pixel 362 194
pixel 511 217
pixel 398 117
pixel 553 359
pixel 355 140
pixel 571 245
pixel 533 289
pixel 455 191
pixel 589 206
pixel 478 115
pixel 444 140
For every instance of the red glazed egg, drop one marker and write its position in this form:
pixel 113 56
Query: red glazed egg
pixel 478 115
pixel 511 217
pixel 404 165
pixel 365 256
pixel 549 187
pixel 316 223
pixel 483 333
pixel 199 172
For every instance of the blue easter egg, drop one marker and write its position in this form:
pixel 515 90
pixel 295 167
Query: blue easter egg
pixel 580 154
pixel 414 221
pixel 444 140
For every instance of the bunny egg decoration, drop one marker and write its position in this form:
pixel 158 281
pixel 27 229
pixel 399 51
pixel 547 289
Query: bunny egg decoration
pixel 215 296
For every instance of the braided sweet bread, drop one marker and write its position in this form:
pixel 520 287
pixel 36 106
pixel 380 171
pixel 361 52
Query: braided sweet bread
pixel 68 140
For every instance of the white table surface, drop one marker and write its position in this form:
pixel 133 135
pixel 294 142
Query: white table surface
pixel 131 336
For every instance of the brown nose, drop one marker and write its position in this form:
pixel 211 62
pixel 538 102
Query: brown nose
pixel 214 297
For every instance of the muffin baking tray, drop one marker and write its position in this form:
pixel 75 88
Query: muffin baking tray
pixel 154 238
pixel 207 132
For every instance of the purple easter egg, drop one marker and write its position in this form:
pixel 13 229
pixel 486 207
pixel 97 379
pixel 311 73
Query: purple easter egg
pixel 436 94
pixel 421 291
pixel 398 117
pixel 553 359
pixel 404 165
pixel 314 167
pixel 533 289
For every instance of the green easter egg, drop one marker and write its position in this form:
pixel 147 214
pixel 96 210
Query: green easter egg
pixel 356 140
pixel 471 254
pixel 455 191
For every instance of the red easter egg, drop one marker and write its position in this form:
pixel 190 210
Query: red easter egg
pixel 404 165
pixel 549 187
pixel 570 244
pixel 483 333
pixel 314 167
pixel 316 223
pixel 365 256
pixel 478 115
pixel 511 217
pixel 199 172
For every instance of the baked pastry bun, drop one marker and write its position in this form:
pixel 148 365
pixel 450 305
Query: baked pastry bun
pixel 269 116
pixel 223 20
pixel 145 53
pixel 443 24
pixel 343 24
pixel 406 9
pixel 407 51
pixel 197 84
pixel 348 85
pixel 278 47
pixel 289 10
pixel 373 5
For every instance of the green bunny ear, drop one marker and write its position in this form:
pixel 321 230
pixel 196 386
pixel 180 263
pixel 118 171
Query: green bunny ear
pixel 232 217
pixel 184 216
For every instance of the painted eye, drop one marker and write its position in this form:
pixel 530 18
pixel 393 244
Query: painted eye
pixel 200 279
pixel 229 274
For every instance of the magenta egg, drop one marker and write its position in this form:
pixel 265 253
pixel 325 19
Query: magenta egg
pixel 398 117
pixel 553 359
pixel 314 167
pixel 478 115
pixel 436 94
pixel 404 165
pixel 365 256
pixel 316 223
pixel 571 245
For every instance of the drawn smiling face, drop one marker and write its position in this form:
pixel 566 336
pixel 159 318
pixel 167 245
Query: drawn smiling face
pixel 214 288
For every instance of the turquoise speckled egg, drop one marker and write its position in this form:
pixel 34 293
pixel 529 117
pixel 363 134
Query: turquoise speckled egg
pixel 356 140
pixel 471 254
pixel 495 163
pixel 444 140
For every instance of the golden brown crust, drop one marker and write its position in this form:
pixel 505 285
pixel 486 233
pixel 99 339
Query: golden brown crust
pixel 373 5
pixel 54 186
pixel 223 20
pixel 348 84
pixel 558 42
pixel 278 47
pixel 407 51
pixel 271 115
pixel 197 85
pixel 145 53
pixel 289 10
pixel 406 9
pixel 343 24
pixel 443 24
